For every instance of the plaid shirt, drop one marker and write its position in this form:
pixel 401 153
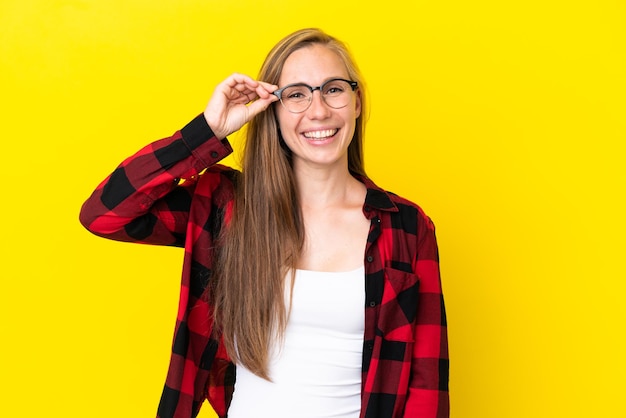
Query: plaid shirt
pixel 405 357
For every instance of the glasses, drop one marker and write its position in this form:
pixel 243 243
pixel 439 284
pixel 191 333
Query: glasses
pixel 297 98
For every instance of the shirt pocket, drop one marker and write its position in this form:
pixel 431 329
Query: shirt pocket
pixel 399 304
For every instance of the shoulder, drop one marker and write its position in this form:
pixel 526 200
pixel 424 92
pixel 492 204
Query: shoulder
pixel 402 211
pixel 409 208
pixel 410 224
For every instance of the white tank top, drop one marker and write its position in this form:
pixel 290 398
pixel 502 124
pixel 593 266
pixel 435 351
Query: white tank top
pixel 317 372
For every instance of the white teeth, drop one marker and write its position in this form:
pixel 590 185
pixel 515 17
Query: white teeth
pixel 320 134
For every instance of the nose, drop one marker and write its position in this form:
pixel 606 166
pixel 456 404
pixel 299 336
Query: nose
pixel 318 109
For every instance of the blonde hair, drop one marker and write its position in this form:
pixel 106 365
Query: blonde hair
pixel 265 236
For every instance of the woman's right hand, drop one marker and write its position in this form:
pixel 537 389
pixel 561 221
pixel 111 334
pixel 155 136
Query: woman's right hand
pixel 235 102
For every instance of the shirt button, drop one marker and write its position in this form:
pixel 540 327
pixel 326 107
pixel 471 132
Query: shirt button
pixel 372 304
pixel 214 154
pixel 370 258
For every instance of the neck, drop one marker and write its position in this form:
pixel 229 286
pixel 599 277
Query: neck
pixel 320 187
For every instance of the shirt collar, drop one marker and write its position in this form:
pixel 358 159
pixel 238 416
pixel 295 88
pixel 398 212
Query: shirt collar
pixel 376 198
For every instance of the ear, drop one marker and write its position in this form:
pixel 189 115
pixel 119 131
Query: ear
pixel 357 108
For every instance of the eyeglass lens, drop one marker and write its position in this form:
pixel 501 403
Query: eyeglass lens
pixel 335 93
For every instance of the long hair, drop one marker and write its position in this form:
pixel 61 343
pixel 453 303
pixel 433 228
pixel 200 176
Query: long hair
pixel 265 235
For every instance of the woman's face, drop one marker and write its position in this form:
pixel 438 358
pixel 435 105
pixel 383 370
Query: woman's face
pixel 319 136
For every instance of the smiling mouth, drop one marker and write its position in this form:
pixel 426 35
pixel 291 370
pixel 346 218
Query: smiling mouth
pixel 327 133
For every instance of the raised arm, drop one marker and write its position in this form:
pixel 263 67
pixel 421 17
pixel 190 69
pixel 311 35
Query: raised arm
pixel 143 200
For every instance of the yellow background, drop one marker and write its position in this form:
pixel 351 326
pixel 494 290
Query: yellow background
pixel 504 120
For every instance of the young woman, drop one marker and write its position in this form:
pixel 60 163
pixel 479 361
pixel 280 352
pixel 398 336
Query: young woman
pixel 304 282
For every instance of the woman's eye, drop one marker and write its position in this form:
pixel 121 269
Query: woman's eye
pixel 334 90
pixel 296 93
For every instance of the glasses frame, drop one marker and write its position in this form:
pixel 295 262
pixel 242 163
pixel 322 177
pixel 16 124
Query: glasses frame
pixel 278 93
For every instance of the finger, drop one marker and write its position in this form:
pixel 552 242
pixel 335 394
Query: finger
pixel 239 78
pixel 265 90
pixel 248 96
pixel 241 82
pixel 260 105
pixel 267 86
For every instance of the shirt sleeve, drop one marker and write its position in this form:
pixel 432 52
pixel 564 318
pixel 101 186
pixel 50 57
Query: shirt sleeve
pixel 148 196
pixel 428 386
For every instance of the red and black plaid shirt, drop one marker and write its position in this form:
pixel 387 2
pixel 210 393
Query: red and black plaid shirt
pixel 405 350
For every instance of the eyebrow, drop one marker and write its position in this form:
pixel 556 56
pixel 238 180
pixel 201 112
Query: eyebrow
pixel 310 85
